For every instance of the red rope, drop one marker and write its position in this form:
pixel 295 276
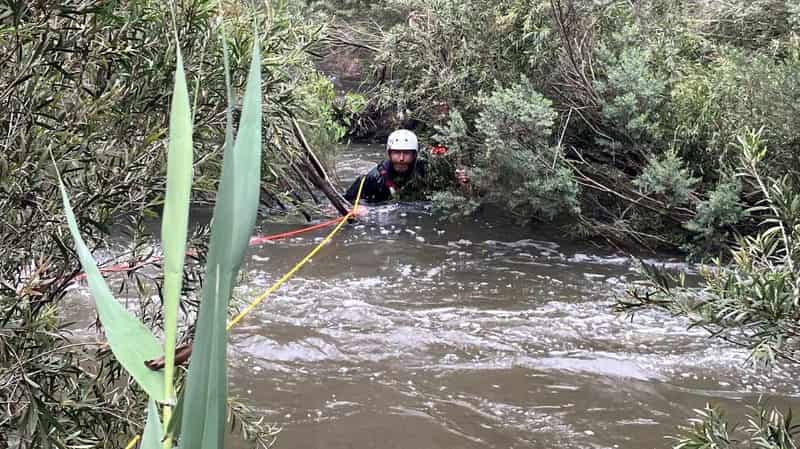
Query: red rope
pixel 257 240
pixel 254 241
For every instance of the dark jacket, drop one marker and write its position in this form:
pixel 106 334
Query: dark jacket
pixel 382 179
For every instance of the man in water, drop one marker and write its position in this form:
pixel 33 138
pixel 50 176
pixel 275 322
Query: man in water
pixel 395 174
pixel 401 176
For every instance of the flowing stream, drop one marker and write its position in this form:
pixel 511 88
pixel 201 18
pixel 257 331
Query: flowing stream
pixel 414 332
pixel 410 331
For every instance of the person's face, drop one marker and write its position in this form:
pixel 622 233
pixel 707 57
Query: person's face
pixel 402 160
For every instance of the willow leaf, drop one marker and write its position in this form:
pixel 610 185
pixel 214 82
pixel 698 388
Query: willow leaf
pixel 153 432
pixel 203 419
pixel 176 214
pixel 130 341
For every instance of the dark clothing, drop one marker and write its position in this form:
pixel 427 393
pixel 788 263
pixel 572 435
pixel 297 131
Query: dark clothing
pixel 384 184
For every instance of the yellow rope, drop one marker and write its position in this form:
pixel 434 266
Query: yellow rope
pixel 300 264
pixel 285 277
pixel 133 442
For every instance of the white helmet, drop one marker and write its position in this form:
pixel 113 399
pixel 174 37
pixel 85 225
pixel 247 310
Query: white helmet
pixel 402 139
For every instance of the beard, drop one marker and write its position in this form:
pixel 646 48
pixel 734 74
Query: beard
pixel 401 167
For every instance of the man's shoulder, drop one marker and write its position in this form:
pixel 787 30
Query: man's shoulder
pixel 379 170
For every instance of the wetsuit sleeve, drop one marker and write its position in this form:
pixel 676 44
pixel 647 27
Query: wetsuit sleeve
pixel 351 193
pixel 374 189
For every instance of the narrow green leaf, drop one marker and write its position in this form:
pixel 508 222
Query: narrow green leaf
pixel 153 432
pixel 228 86
pixel 174 424
pixel 131 342
pixel 176 215
pixel 203 420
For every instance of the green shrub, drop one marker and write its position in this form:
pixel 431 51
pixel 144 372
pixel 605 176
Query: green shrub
pixel 453 205
pixel 623 77
pixel 318 96
pixel 752 24
pixel 667 177
pixel 630 88
pixel 443 53
pixel 712 103
pixel 515 117
pixel 793 11
pixel 515 165
pixel 90 83
pixel 766 429
pixel 455 133
pixel 754 302
pixel 717 215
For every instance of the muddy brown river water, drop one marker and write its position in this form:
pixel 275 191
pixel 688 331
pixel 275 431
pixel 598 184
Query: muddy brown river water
pixel 409 331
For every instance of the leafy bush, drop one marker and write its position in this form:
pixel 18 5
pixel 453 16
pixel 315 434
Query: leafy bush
pixel 49 385
pixel 515 117
pixel 712 103
pixel 328 117
pixel 749 24
pixel 716 216
pixel 513 163
pixel 443 53
pixel 667 177
pixel 452 204
pixel 456 135
pixel 793 10
pixel 623 77
pixel 767 429
pixel 756 301
pixel 630 88
pixel 89 82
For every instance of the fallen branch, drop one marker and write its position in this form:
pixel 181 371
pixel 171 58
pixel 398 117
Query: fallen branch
pixel 317 175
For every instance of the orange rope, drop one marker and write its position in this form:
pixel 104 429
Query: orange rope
pixel 266 238
pixel 300 264
pixel 254 241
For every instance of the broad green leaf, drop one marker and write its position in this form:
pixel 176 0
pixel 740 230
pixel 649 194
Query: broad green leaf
pixel 130 341
pixel 153 432
pixel 176 215
pixel 203 420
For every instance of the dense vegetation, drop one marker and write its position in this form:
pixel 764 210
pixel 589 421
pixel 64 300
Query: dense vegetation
pixel 621 116
pixel 89 82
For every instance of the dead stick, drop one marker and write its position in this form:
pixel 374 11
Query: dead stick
pixel 310 154
pixel 317 174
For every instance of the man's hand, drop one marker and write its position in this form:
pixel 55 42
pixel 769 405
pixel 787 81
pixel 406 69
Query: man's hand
pixel 461 177
pixel 182 354
pixel 360 211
